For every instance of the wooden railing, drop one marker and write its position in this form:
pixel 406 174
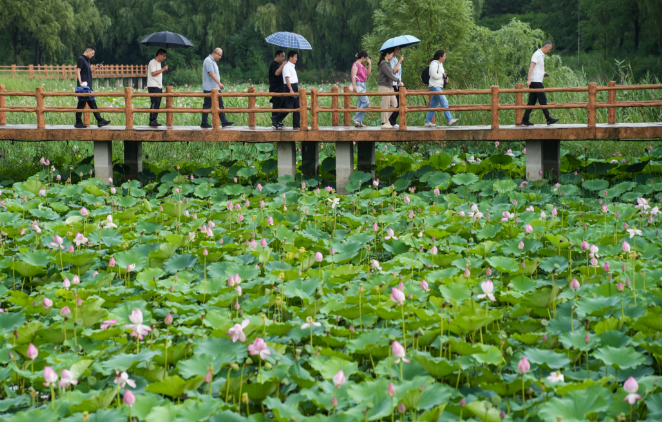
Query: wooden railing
pixel 65 71
pixel 313 98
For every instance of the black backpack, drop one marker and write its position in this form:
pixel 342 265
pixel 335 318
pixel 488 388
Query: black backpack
pixel 425 76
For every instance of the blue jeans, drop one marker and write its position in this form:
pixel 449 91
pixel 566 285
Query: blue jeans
pixel 362 102
pixel 436 101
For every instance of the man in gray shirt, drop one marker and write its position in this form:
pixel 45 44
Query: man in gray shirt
pixel 210 80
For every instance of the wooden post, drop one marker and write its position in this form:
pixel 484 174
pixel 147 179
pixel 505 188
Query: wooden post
pixel 347 104
pixel 215 118
pixel 314 112
pixel 169 104
pixel 495 106
pixel 13 70
pixel 41 121
pixel 128 107
pixel 3 116
pixel 303 109
pixel 519 100
pixel 611 112
pixel 402 93
pixel 592 94
pixel 335 118
pixel 30 70
pixel 251 105
pixel 86 115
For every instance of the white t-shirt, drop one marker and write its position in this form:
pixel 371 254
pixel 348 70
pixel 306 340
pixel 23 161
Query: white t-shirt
pixel 154 81
pixel 289 70
pixel 539 69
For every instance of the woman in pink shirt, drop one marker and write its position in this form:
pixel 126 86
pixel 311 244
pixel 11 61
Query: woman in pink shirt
pixel 359 78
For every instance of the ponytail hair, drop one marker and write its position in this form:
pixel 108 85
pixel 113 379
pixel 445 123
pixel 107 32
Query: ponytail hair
pixel 438 54
pixel 382 55
pixel 361 54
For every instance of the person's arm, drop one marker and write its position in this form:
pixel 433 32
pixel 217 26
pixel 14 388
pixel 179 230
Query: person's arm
pixel 215 79
pixel 528 81
pixel 354 70
pixel 279 71
pixel 396 69
pixel 287 81
pixel 78 76
pixel 158 72
pixel 369 67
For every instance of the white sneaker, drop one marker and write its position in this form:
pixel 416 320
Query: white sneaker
pixel 396 126
pixel 453 121
pixel 430 124
pixel 387 125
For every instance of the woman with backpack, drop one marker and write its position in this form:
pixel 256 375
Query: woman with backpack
pixel 385 80
pixel 437 81
pixel 359 79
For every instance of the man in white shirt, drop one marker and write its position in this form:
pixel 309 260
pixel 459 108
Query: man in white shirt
pixel 292 86
pixel 155 83
pixel 536 75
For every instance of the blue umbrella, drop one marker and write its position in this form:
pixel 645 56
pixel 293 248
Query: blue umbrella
pixel 401 41
pixel 289 40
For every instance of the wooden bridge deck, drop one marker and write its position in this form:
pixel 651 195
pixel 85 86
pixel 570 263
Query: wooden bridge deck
pixel 333 133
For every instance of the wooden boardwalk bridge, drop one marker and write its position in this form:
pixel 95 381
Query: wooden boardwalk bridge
pixel 542 142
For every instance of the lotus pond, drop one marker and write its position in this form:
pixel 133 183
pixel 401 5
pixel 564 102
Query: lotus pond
pixel 452 289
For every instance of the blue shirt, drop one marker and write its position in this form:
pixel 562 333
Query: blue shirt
pixel 398 74
pixel 209 65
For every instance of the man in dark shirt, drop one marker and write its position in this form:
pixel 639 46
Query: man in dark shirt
pixel 84 85
pixel 276 85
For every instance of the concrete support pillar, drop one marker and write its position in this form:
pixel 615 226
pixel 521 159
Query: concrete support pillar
pixel 366 157
pixel 131 82
pixel 287 159
pixel 543 159
pixel 344 165
pixel 310 152
pixel 140 83
pixel 133 158
pixel 107 82
pixel 103 160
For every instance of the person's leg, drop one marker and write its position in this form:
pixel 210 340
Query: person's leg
pixel 277 102
pixel 444 104
pixel 79 116
pixel 206 105
pixel 222 115
pixel 385 103
pixel 93 106
pixel 542 100
pixel 362 102
pixel 155 102
pixel 296 117
pixel 533 97
pixel 394 116
pixel 435 101
pixel 287 103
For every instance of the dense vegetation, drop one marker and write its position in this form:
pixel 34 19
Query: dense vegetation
pixel 480 32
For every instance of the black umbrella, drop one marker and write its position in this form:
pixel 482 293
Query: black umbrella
pixel 167 39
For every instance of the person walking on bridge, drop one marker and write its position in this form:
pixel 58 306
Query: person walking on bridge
pixel 291 81
pixel 359 79
pixel 396 64
pixel 536 75
pixel 210 80
pixel 155 84
pixel 438 80
pixel 84 85
pixel 386 79
pixel 276 84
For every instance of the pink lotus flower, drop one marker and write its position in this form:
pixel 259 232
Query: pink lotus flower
pixel 488 272
pixel 390 391
pixel 528 228
pixel 108 323
pixel 84 212
pixel 554 212
pixel 620 286
pixel 467 273
pixel 58 242
pixel 50 377
pixel 339 379
pixel 259 347
pixel 523 366
pixel 390 235
pixel 263 242
pixel 574 285
pixel 139 329
pixel 111 263
pixel 375 226
pixel 237 332
pixel 259 187
pixel 407 200
pixel 208 377
pixel 397 296
pixel 47 303
pixel 270 220
pixel 606 267
pixel 626 247
pixel 520 246
pixel 129 398
pixel 318 257
pixel 631 387
pixel 123 380
pixel 424 286
pixel 66 283
pixel 32 352
pixel 67 379
pixel 36 229
pixel 436 192
pixel 585 245
pixel 65 311
pixel 399 353
pixel 488 290
pixel 434 250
